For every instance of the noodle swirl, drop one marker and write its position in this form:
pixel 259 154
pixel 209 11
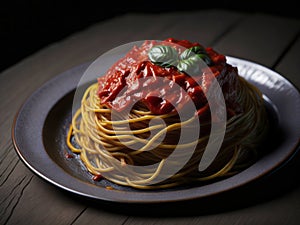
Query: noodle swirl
pixel 105 144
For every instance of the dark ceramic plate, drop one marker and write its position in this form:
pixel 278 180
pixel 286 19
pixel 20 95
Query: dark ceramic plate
pixel 40 129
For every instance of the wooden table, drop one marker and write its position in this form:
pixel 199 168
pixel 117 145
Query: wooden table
pixel 272 41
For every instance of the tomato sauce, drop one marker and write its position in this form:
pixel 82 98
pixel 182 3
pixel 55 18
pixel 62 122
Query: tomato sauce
pixel 163 89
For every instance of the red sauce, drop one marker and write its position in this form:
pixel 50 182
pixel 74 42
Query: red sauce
pixel 128 81
pixel 68 155
pixel 97 177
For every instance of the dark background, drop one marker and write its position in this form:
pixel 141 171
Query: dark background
pixel 27 26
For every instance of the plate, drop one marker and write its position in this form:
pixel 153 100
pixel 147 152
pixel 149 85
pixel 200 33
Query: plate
pixel 41 124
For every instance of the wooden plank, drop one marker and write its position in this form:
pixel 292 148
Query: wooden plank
pixel 26 198
pixel 240 216
pixel 35 201
pixel 278 206
pixel 288 65
pixel 99 215
pixel 201 26
pixel 21 190
pixel 260 38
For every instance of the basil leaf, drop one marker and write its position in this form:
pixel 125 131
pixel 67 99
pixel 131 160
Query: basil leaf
pixel 163 55
pixel 187 54
pixel 189 60
pixel 190 65
pixel 197 49
pixel 200 51
pixel 205 58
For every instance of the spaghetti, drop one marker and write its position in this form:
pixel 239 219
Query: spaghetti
pixel 108 142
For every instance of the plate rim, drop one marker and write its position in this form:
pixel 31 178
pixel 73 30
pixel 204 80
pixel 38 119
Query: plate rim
pixel 139 196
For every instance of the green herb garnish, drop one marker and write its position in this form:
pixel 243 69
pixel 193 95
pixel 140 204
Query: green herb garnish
pixel 164 56
pixel 188 61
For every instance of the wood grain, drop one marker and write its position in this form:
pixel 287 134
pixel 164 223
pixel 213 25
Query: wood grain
pixel 27 199
pixel 260 38
pixel 288 65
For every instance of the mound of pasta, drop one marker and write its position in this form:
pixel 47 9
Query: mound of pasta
pixel 132 120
